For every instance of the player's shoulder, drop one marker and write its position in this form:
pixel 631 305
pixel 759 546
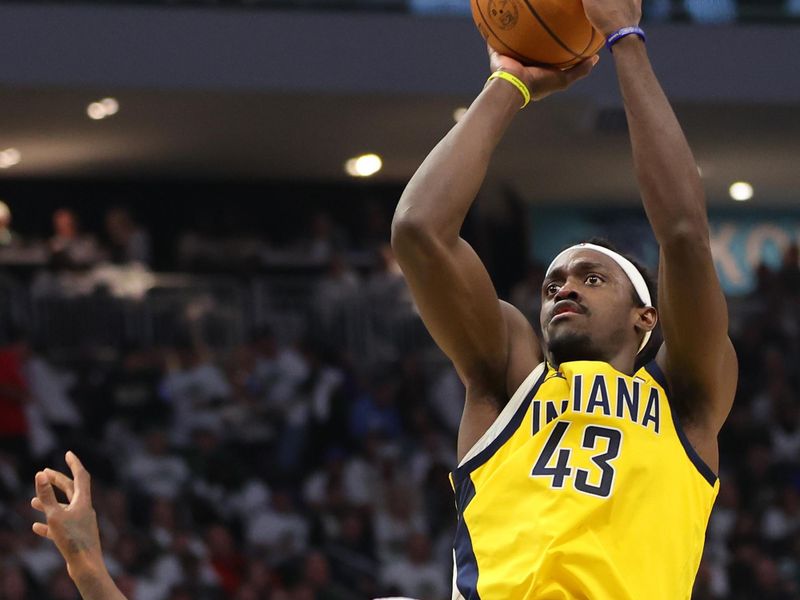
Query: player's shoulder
pixel 525 349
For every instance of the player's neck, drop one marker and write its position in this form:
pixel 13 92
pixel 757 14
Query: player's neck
pixel 622 362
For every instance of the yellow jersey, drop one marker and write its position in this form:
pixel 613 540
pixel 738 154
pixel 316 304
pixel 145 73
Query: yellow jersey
pixel 585 487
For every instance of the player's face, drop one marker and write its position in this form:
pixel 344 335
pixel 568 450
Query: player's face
pixel 588 311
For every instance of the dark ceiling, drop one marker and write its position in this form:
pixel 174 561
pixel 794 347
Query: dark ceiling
pixel 562 151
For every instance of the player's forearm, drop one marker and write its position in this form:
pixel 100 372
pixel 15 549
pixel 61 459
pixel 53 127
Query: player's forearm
pixel 95 583
pixel 442 190
pixel 669 182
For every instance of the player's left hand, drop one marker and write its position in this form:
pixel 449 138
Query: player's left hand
pixel 541 81
pixel 608 16
pixel 73 526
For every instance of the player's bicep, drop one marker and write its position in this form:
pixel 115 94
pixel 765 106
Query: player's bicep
pixel 459 306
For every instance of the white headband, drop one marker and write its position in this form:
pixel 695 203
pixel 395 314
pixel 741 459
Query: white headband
pixel 627 266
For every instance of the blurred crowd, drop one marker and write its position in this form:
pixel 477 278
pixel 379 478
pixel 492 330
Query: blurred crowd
pixel 125 241
pixel 753 545
pixel 69 246
pixel 289 469
pixel 277 472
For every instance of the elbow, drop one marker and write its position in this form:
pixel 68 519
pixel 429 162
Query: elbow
pixel 410 233
pixel 685 235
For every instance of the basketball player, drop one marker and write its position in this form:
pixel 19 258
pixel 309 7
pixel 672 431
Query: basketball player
pixel 73 529
pixel 581 476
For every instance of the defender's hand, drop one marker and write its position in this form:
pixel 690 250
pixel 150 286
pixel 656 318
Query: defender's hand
pixel 608 16
pixel 72 527
pixel 541 81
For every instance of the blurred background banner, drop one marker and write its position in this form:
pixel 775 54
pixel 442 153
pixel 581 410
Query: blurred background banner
pixel 740 243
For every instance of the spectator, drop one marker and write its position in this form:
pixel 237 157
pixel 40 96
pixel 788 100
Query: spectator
pixel 279 531
pixel 785 432
pixel 61 587
pixel 277 371
pixel 14 395
pixel 317 573
pixel 338 286
pixel 13 584
pixel 7 236
pixel 386 285
pixel 14 249
pixel 226 560
pixel 352 553
pixel 49 387
pixel 155 471
pixel 129 242
pixel 396 520
pixel 374 411
pixel 196 388
pixel 415 574
pixel 789 274
pixel 782 521
pixel 68 246
pixel 325 239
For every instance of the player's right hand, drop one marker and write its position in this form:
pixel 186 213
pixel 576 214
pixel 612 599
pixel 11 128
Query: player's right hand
pixel 541 81
pixel 73 526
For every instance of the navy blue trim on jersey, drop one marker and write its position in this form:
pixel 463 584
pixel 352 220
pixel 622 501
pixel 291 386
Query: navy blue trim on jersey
pixel 466 563
pixel 708 474
pixel 656 373
pixel 484 455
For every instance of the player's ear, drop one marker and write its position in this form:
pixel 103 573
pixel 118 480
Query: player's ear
pixel 648 318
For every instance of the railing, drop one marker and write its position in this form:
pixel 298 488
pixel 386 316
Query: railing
pixel 371 327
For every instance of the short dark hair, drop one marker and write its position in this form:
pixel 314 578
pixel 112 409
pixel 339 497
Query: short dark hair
pixel 649 280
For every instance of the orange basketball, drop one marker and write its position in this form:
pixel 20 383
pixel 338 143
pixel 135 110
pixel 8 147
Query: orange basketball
pixel 553 33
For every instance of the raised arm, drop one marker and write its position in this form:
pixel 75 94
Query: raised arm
pixel 697 356
pixel 73 529
pixel 450 285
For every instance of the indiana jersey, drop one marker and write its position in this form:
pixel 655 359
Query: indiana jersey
pixel 585 487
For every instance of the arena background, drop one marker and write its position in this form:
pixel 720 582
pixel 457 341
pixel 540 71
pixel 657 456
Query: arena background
pixel 199 300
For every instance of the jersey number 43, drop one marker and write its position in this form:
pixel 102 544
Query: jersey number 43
pixel 581 479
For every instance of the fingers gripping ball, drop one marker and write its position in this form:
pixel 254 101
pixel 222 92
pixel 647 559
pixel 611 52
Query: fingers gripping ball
pixel 553 33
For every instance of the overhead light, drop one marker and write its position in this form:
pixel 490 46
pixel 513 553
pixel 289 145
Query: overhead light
pixel 459 113
pixel 741 191
pixel 364 165
pixel 9 157
pixel 102 108
pixel 96 111
pixel 110 105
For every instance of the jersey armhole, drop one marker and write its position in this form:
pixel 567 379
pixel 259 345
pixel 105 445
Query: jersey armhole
pixel 504 426
pixel 654 370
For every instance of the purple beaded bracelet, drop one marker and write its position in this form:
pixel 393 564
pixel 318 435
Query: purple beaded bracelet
pixel 621 33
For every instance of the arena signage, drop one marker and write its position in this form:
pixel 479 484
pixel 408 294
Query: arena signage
pixel 739 243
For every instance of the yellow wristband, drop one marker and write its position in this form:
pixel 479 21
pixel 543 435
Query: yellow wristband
pixel 516 82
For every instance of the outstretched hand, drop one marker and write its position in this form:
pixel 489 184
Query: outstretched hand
pixel 73 526
pixel 541 81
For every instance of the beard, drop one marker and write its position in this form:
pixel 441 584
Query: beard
pixel 569 346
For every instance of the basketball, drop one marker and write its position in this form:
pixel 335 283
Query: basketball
pixel 552 33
